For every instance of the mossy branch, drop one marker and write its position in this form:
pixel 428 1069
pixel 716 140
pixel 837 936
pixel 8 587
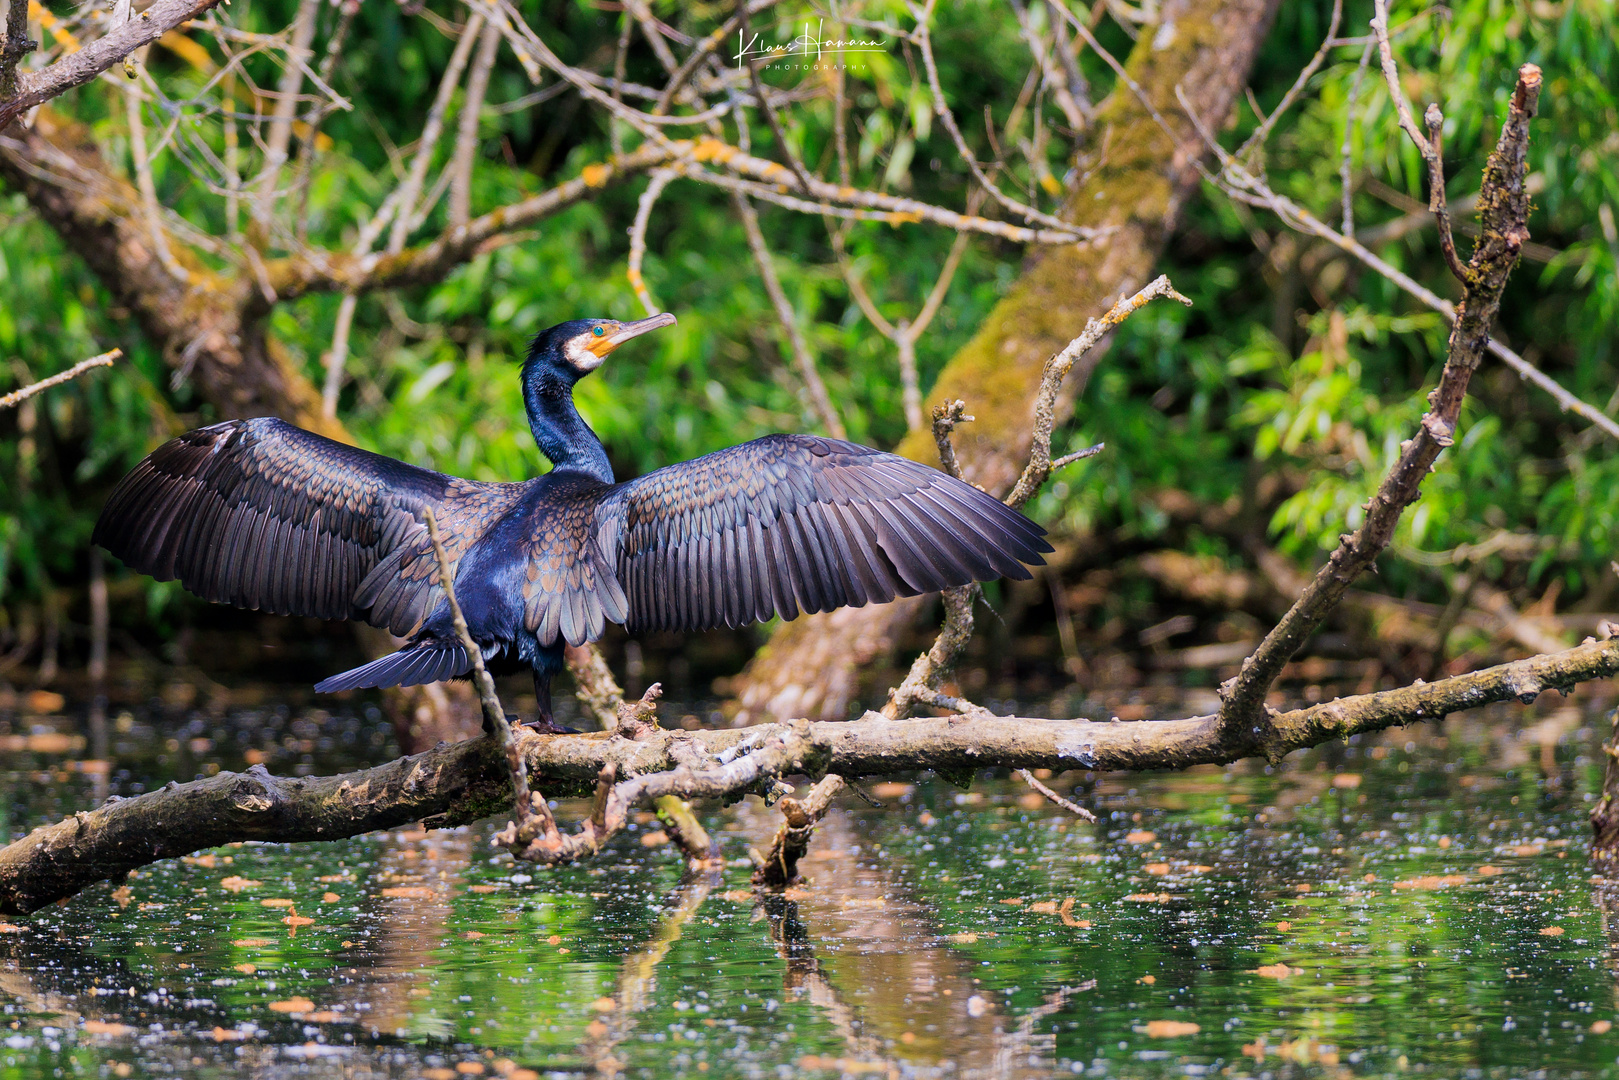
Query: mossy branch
pixel 455 784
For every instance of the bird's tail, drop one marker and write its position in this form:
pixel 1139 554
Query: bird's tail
pixel 423 661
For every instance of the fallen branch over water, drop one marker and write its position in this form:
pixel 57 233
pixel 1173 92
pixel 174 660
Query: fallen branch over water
pixel 455 784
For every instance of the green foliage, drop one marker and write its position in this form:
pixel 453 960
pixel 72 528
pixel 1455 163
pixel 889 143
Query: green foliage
pixel 1294 364
pixel 1305 365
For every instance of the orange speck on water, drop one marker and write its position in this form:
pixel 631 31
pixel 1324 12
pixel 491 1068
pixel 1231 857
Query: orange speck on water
pixel 1277 971
pixel 293 1005
pixel 1140 836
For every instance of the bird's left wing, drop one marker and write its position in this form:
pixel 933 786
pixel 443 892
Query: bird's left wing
pixel 791 523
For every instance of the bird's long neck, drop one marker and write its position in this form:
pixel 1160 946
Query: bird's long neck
pixel 562 434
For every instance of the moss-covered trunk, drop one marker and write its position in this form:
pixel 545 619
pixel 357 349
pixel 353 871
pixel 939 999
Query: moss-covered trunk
pixel 1137 174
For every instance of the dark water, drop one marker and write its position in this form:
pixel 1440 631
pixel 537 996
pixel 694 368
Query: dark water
pixel 1420 903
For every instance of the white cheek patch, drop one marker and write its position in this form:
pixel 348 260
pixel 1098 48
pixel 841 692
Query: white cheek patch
pixel 577 353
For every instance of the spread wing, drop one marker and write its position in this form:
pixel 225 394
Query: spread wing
pixel 264 515
pixel 791 523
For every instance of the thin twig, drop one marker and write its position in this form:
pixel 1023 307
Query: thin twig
pixel 466 136
pixel 820 400
pixel 1072 807
pixel 1429 145
pixel 153 211
pixel 1346 157
pixel 17 397
pixel 525 806
pixel 1256 141
pixel 1057 368
pixel 337 356
pixel 1236 182
pixel 1056 77
pixel 403 200
pixel 286 109
pixel 643 216
pixel 941 109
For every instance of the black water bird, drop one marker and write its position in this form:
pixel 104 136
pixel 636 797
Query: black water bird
pixel 264 515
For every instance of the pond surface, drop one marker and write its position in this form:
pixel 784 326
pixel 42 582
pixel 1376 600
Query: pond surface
pixel 1420 902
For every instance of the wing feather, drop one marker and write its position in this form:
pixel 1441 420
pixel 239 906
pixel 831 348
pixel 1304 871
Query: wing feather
pixel 263 515
pixel 791 522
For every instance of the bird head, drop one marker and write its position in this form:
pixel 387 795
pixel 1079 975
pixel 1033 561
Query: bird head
pixel 575 349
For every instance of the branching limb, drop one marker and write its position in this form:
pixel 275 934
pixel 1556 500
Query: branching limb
pixel 79 67
pixel 454 784
pixel 1504 204
pixel 409 192
pixel 1256 141
pixel 1429 146
pixel 286 108
pixel 1057 369
pixel 147 186
pixel 17 397
pixel 1237 183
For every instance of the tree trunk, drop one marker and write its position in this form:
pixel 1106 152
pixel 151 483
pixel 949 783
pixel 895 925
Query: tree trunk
pixel 1137 178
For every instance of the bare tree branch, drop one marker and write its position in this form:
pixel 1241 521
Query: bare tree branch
pixel 79 67
pixel 1057 369
pixel 1504 203
pixel 533 816
pixel 286 108
pixel 466 137
pixel 820 400
pixel 148 187
pixel 16 46
pixel 17 397
pixel 1429 147
pixel 454 784
pixel 643 217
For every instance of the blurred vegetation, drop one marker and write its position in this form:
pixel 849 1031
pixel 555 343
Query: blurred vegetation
pixel 1294 365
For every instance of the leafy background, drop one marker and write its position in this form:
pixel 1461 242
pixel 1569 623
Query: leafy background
pixel 1294 368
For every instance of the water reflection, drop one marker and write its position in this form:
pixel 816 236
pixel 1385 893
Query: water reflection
pixel 1420 902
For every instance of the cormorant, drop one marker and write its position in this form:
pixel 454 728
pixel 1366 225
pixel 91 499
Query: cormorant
pixel 264 515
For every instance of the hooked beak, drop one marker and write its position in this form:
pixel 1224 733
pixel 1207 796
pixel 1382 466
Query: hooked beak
pixel 630 330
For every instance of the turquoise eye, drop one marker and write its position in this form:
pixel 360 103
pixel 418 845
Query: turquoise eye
pixel 599 331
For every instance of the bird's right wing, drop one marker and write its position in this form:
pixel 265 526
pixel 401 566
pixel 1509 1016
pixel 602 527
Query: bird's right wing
pixel 796 522
pixel 264 515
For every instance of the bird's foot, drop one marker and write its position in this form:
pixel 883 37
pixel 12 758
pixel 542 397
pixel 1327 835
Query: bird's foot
pixel 544 725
